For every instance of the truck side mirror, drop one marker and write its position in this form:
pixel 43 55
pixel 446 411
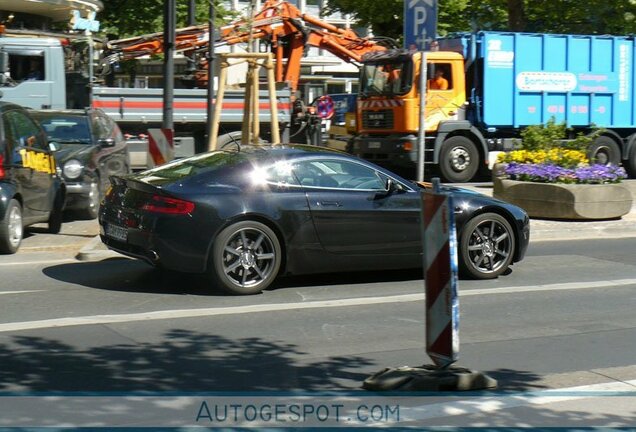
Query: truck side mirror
pixel 4 66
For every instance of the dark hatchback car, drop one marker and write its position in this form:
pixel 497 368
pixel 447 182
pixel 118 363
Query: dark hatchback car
pixel 30 189
pixel 246 216
pixel 91 148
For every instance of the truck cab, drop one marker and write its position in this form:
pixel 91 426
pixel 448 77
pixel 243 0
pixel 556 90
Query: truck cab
pixel 32 72
pixel 388 110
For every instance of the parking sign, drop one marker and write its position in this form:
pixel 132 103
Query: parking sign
pixel 420 24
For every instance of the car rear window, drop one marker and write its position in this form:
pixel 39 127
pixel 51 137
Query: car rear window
pixel 222 166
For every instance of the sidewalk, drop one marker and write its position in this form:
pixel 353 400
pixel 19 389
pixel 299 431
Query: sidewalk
pixel 83 235
pixel 546 230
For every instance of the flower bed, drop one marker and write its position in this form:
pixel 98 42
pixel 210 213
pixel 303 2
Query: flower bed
pixel 552 178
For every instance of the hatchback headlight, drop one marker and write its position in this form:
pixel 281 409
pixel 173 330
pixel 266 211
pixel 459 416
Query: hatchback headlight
pixel 73 169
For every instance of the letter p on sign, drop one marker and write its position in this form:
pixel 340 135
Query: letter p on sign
pixel 420 23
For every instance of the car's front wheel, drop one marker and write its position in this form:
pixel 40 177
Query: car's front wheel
pixel 486 246
pixel 11 229
pixel 246 258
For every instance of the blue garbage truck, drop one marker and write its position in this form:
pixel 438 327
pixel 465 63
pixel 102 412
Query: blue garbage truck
pixel 493 85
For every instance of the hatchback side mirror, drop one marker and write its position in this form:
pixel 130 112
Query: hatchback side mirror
pixel 53 146
pixel 108 142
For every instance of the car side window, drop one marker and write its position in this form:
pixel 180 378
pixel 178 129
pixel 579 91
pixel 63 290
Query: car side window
pixel 26 133
pixel 337 174
pixel 280 174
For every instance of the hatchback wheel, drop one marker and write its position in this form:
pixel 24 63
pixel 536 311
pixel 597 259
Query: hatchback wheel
pixel 487 246
pixel 55 217
pixel 246 258
pixel 11 229
pixel 94 199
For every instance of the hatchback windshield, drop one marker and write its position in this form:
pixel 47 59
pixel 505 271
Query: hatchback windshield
pixel 67 128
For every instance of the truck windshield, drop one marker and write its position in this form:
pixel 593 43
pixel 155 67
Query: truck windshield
pixel 385 79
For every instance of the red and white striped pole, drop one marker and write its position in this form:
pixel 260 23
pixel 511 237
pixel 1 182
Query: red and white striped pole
pixel 440 277
pixel 160 146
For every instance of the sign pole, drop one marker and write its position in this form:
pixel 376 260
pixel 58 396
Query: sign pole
pixel 421 135
pixel 439 247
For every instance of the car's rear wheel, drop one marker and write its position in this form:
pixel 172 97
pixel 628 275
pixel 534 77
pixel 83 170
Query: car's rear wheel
pixel 246 258
pixel 487 246
pixel 11 229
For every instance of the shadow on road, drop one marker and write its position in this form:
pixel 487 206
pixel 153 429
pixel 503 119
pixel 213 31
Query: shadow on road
pixel 188 361
pixel 183 361
pixel 135 276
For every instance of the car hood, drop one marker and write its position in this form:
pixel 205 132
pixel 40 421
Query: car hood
pixel 81 152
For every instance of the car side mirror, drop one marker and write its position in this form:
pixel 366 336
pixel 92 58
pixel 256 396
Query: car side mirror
pixel 107 142
pixel 392 186
pixel 53 146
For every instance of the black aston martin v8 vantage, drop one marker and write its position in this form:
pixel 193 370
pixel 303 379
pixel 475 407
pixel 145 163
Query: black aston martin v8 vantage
pixel 245 216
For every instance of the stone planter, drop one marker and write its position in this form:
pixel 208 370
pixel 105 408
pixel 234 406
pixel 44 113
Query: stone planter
pixel 565 201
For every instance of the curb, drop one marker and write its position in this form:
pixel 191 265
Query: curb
pixel 95 250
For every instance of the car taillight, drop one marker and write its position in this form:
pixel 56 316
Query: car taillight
pixel 162 204
pixel 2 173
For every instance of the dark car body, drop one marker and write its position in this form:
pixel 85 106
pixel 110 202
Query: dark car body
pixel 91 148
pixel 30 189
pixel 311 209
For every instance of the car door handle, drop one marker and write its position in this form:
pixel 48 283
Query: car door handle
pixel 330 204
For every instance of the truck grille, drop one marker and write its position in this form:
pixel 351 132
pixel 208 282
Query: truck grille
pixel 382 119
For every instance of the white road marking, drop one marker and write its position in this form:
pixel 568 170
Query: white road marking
pixel 485 404
pixel 277 307
pixel 57 261
pixel 20 292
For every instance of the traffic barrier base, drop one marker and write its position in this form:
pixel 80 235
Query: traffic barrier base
pixel 429 378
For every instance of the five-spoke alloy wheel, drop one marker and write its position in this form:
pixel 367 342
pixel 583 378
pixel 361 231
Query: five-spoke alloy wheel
pixel 487 246
pixel 246 258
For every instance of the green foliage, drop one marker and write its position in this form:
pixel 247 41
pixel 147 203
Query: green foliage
pixel 552 135
pixel 126 18
pixel 556 16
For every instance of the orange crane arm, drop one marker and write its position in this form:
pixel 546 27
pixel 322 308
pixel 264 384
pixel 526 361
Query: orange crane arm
pixel 281 24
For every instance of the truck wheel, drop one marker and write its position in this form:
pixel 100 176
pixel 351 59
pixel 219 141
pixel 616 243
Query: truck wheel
pixel 11 229
pixel 245 259
pixel 458 160
pixel 229 141
pixel 604 151
pixel 631 162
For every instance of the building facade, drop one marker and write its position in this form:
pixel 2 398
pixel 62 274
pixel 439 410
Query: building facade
pixel 41 17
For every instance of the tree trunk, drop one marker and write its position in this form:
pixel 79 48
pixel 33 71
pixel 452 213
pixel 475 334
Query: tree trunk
pixel 516 15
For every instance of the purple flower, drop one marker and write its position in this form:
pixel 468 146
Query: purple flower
pixel 550 173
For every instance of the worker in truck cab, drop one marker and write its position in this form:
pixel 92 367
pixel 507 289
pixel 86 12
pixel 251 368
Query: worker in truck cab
pixel 438 82
pixel 35 70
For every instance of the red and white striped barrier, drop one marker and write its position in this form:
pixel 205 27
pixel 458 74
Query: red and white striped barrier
pixel 160 146
pixel 440 273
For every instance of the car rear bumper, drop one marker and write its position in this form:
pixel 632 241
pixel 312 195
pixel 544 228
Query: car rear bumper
pixel 160 244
